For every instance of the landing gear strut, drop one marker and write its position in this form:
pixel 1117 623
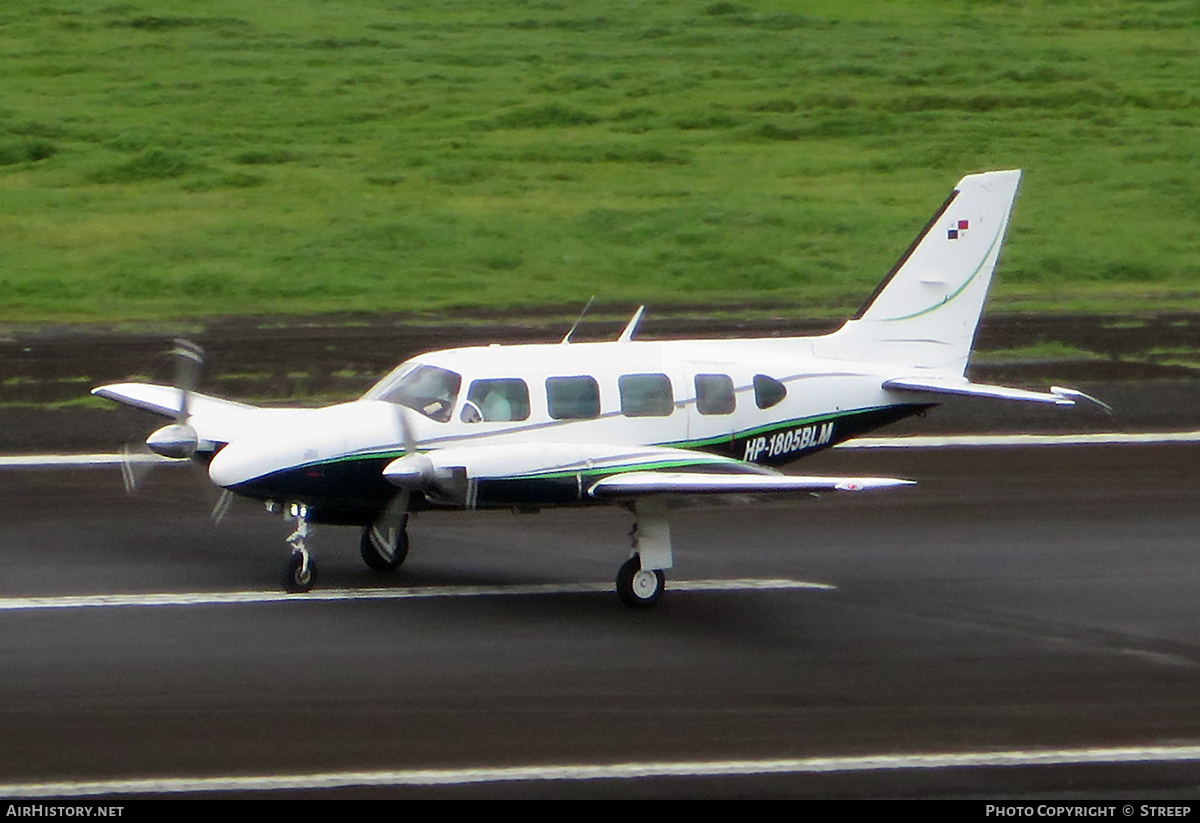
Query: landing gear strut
pixel 301 573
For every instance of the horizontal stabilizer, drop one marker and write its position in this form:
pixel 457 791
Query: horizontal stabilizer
pixel 960 386
pixel 637 484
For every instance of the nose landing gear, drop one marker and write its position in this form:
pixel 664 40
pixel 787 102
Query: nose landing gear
pixel 300 574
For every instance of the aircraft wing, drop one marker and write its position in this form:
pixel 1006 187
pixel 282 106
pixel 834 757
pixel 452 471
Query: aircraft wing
pixel 215 420
pixel 638 484
pixel 609 472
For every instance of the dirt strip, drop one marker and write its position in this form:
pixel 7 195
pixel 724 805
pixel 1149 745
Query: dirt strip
pixel 1146 366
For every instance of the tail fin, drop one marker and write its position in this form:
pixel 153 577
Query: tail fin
pixel 925 313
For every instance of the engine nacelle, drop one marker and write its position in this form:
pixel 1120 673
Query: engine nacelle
pixel 177 441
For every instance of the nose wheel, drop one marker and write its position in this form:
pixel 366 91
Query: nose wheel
pixel 300 574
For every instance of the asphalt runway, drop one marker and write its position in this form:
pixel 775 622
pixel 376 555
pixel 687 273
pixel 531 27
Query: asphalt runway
pixel 1034 600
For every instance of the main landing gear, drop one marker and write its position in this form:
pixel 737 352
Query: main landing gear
pixel 640 581
pixel 384 548
pixel 638 587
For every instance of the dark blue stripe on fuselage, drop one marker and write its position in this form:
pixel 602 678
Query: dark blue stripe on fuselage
pixel 353 491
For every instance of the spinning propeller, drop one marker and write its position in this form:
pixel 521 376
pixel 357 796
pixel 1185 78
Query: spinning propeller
pixel 385 543
pixel 179 440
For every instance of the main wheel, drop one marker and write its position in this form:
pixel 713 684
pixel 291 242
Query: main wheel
pixel 301 573
pixel 381 554
pixel 638 587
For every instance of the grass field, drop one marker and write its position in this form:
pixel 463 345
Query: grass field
pixel 193 157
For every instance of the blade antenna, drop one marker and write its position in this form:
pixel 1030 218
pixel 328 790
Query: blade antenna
pixel 627 335
pixel 578 320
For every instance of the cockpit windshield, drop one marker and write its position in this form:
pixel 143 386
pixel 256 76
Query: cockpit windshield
pixel 425 389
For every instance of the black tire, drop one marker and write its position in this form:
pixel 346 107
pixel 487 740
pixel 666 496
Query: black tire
pixel 298 577
pixel 638 589
pixel 375 555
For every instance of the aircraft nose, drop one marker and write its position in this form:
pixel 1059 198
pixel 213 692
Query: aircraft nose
pixel 233 466
pixel 263 458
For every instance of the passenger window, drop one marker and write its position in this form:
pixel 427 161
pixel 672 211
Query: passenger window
pixel 768 391
pixel 646 395
pixel 573 398
pixel 714 394
pixel 499 401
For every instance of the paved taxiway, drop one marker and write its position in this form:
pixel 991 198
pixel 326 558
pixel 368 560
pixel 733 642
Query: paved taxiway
pixel 1034 599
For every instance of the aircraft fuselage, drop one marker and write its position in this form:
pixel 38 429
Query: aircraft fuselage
pixel 766 402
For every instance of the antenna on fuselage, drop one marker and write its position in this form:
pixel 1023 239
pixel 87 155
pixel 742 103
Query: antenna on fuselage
pixel 627 335
pixel 578 320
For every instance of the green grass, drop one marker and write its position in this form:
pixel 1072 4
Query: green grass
pixel 1044 350
pixel 179 159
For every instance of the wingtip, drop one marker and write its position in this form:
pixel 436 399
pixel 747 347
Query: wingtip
pixel 859 484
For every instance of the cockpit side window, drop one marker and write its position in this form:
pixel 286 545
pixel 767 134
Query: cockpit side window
pixel 768 391
pixel 426 389
pixel 500 400
pixel 573 398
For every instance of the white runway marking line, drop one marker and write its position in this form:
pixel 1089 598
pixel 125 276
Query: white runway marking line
pixel 100 601
pixel 66 461
pixel 616 771
pixel 80 461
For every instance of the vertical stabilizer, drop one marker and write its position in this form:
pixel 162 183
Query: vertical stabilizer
pixel 925 313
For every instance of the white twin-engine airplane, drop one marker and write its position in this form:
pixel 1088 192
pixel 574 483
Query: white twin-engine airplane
pixel 641 424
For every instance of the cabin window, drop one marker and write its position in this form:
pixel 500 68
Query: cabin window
pixel 714 394
pixel 573 398
pixel 426 389
pixel 768 391
pixel 646 395
pixel 497 401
